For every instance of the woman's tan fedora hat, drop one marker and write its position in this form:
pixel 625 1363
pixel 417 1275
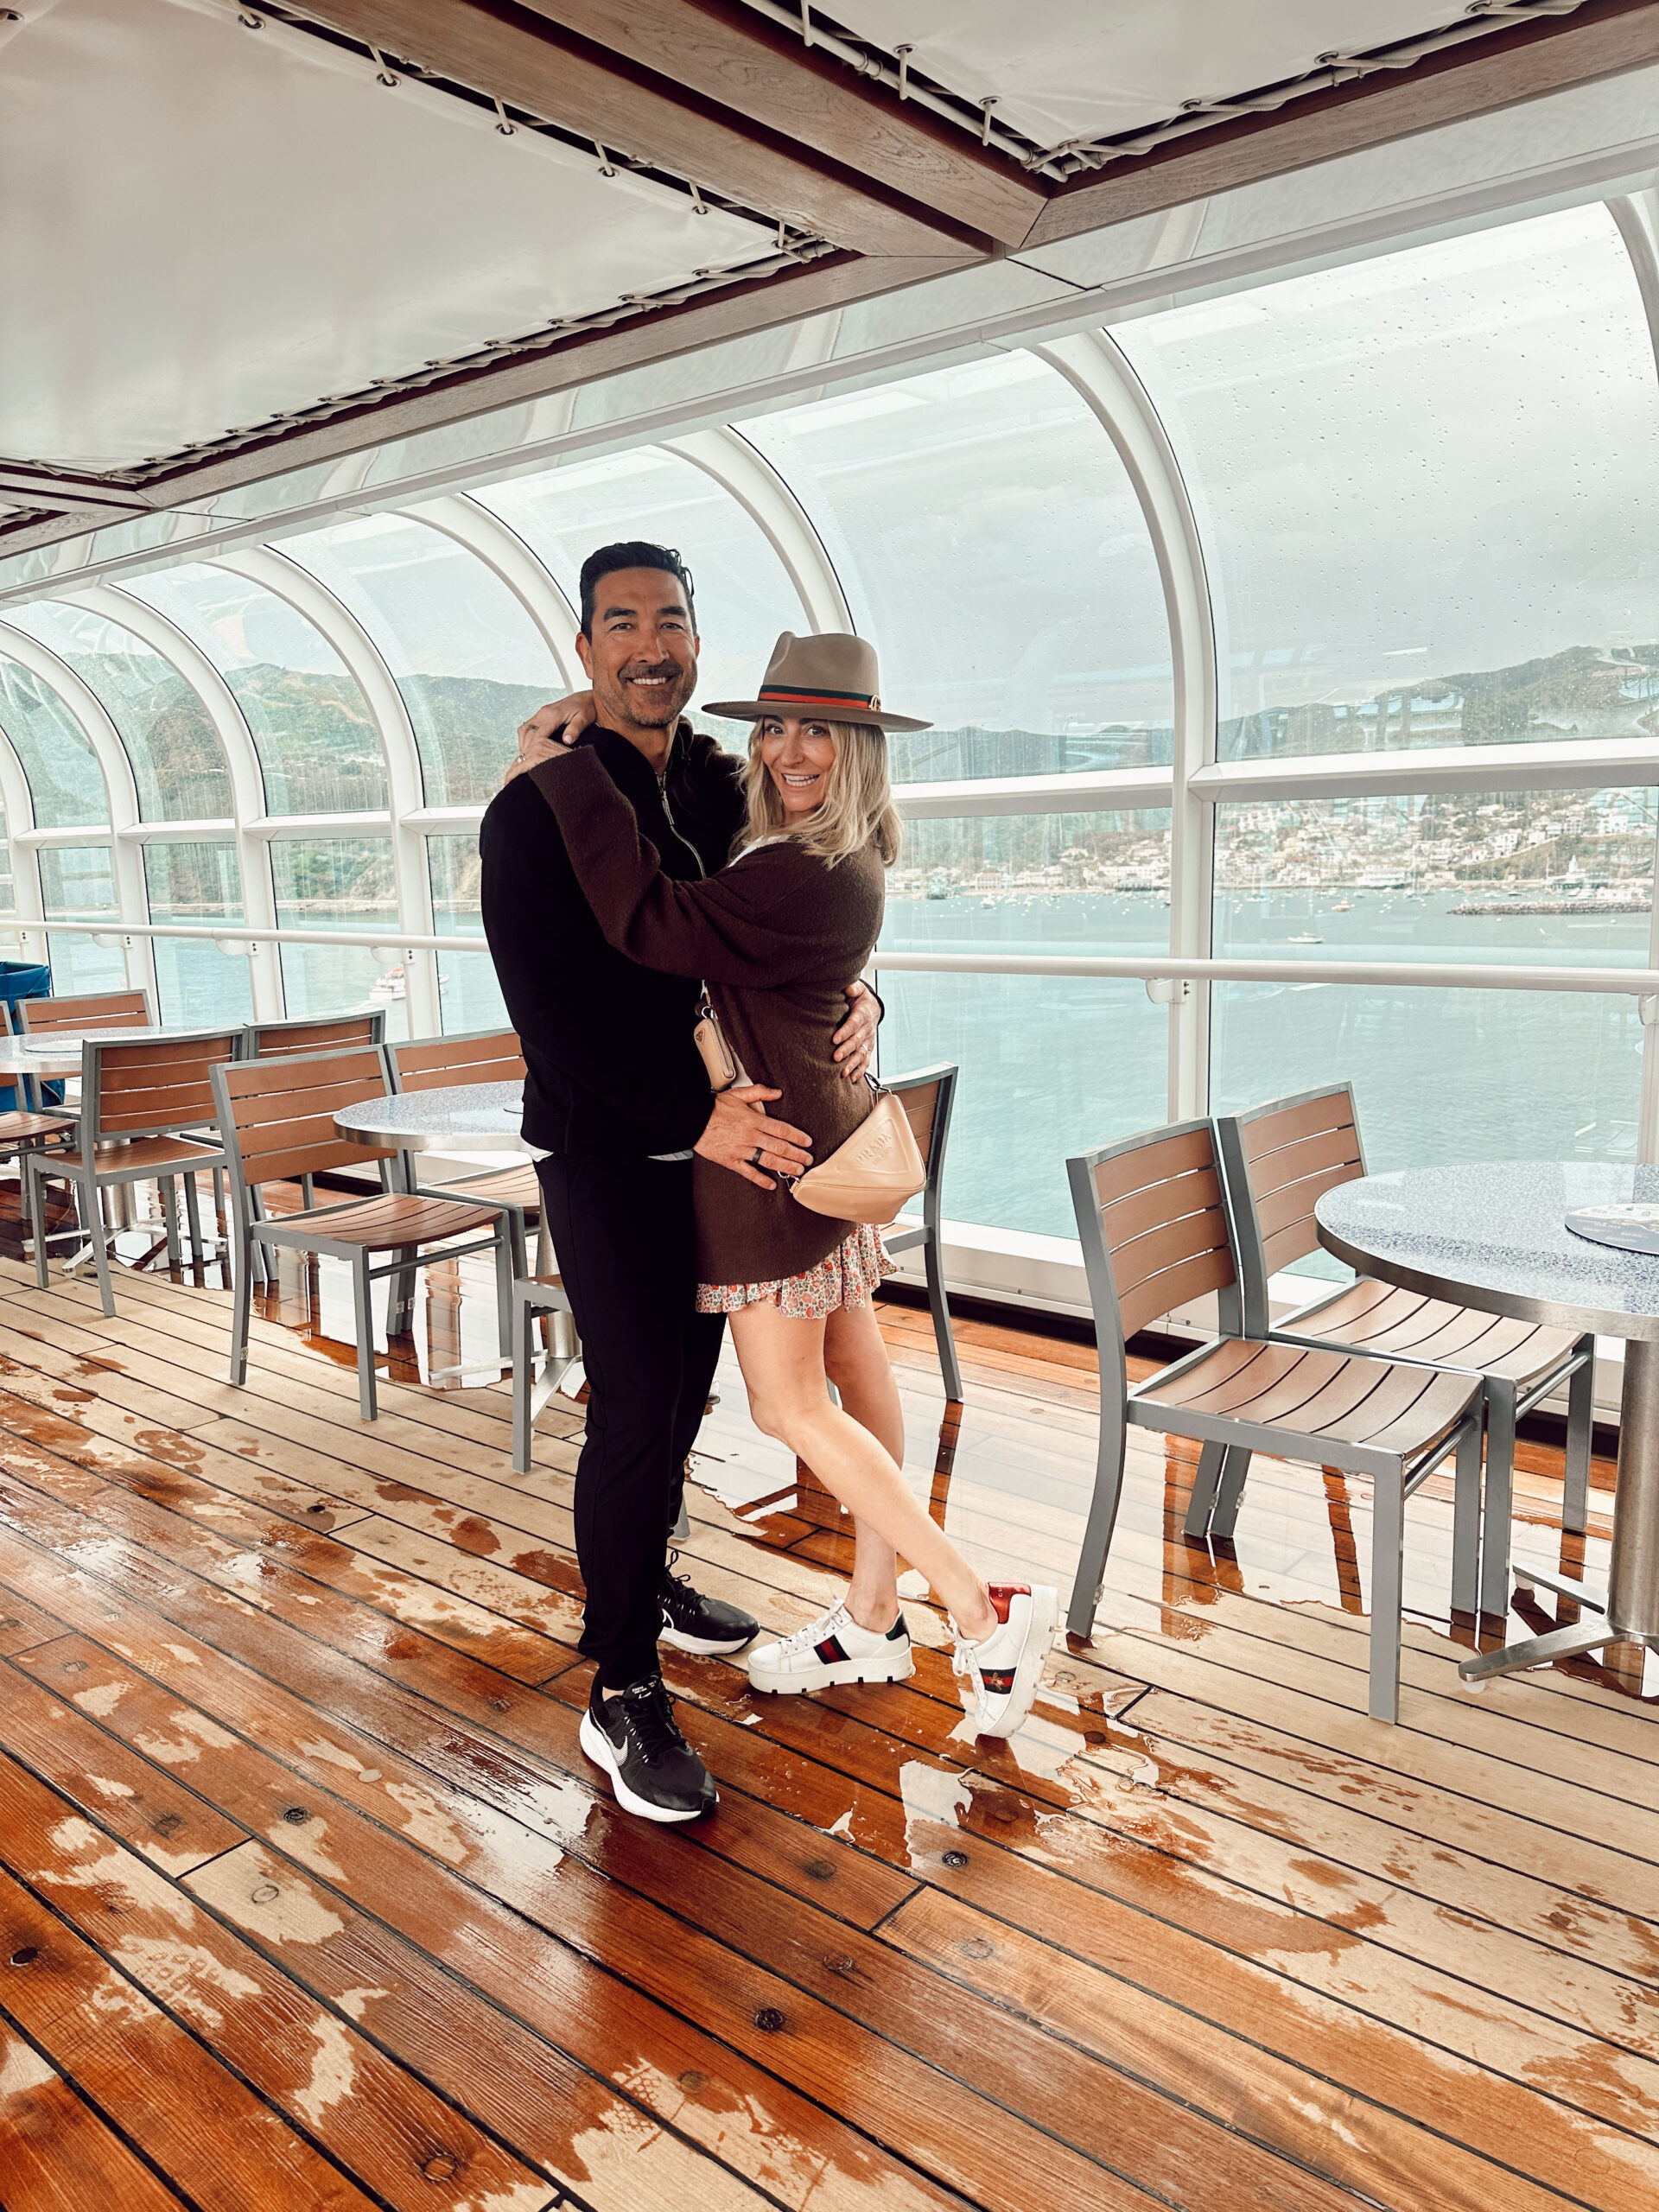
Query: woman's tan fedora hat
pixel 833 674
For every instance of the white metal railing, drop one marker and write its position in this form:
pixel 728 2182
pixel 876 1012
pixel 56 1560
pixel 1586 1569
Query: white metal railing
pixel 1632 982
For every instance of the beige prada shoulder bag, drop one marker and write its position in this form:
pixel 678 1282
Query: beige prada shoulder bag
pixel 869 1177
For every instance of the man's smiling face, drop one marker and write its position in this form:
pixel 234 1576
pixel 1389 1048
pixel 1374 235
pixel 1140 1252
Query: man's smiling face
pixel 642 655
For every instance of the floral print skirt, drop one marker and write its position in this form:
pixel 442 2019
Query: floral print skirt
pixel 847 1277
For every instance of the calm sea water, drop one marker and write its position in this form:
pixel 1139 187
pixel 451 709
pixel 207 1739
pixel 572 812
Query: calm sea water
pixel 1052 1064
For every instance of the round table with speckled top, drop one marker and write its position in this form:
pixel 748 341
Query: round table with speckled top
pixel 1496 1237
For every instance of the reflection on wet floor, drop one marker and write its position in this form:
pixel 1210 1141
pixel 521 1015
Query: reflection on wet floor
pixel 1201 1935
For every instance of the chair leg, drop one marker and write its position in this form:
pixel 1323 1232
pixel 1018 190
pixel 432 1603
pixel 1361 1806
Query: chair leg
pixel 362 1301
pixel 193 1215
pixel 1498 1507
pixel 100 1248
pixel 400 1309
pixel 1465 1523
pixel 169 1197
pixel 524 1377
pixel 241 1307
pixel 1097 1535
pixel 1581 1428
pixel 35 1178
pixel 505 1278
pixel 1202 1500
pixel 1388 1555
pixel 1229 1490
pixel 933 1266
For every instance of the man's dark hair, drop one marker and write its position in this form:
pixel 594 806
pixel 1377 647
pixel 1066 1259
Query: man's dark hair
pixel 631 553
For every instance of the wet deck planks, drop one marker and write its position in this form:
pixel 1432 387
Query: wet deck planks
pixel 310 1899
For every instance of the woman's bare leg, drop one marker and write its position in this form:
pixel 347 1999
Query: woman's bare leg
pixel 856 1359
pixel 782 1367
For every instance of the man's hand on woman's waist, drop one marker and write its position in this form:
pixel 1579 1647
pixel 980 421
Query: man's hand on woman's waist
pixel 741 1135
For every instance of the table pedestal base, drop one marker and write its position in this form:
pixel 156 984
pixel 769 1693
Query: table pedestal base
pixel 1631 1610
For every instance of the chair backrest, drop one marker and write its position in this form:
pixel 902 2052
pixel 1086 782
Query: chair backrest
pixel 264 1040
pixel 927 1097
pixel 276 1117
pixel 1277 1160
pixel 1155 1232
pixel 437 1062
pixel 150 1089
pixel 98 1010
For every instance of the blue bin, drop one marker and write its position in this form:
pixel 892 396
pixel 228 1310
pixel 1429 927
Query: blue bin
pixel 23 979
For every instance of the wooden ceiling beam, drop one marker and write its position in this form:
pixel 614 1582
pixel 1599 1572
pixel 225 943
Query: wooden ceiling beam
pixel 516 55
pixel 582 358
pixel 56 489
pixel 722 51
pixel 1525 61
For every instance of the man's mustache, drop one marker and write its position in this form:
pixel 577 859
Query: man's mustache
pixel 670 669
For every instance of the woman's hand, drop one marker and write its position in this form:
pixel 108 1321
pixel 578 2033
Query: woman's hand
pixel 854 1041
pixel 539 738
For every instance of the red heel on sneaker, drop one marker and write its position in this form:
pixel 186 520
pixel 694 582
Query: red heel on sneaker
pixel 1006 1665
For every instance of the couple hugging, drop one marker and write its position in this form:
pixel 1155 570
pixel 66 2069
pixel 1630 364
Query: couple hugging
pixel 627 861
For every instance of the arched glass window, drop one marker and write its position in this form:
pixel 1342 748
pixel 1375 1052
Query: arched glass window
pixel 197 885
pixel 1065 1061
pixel 1426 484
pixel 469 662
pixel 989 540
pixel 178 763
pixel 340 883
pixel 65 781
pixel 743 591
pixel 319 750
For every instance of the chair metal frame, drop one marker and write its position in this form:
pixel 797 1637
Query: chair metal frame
pixel 494 1186
pixel 906 1236
pixel 1506 1400
pixel 308 1230
pixel 105 1131
pixel 1227 1441
pixel 532 1296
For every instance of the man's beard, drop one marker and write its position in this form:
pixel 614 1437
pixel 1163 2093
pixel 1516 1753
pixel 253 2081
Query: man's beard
pixel 651 707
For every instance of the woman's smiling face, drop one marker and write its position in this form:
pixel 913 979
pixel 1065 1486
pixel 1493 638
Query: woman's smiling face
pixel 798 754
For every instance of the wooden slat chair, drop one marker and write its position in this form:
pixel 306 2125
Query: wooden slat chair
pixel 27 1126
pixel 1277 1160
pixel 81 1016
pixel 277 1120
pixel 927 1097
pixel 1156 1234
pixel 140 1104
pixel 264 1040
pixel 95 1010
pixel 446 1063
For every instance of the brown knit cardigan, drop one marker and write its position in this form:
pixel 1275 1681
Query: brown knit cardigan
pixel 777 935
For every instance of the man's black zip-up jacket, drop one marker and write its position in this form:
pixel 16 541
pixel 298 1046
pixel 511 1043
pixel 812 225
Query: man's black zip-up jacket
pixel 612 1072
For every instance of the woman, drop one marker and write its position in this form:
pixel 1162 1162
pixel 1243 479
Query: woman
pixel 776 937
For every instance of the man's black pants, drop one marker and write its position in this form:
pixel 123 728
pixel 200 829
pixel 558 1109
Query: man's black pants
pixel 626 1243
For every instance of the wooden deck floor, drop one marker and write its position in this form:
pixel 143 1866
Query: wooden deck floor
pixel 308 1896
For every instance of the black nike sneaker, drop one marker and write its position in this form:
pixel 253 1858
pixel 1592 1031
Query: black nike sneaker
pixel 694 1623
pixel 636 1738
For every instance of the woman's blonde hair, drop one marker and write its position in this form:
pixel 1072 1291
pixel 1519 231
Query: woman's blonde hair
pixel 857 808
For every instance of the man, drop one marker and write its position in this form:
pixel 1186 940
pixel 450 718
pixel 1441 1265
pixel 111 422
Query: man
pixel 618 1100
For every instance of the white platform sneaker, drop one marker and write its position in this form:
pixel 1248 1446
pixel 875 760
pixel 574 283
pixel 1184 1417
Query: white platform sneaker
pixel 833 1648
pixel 1006 1665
